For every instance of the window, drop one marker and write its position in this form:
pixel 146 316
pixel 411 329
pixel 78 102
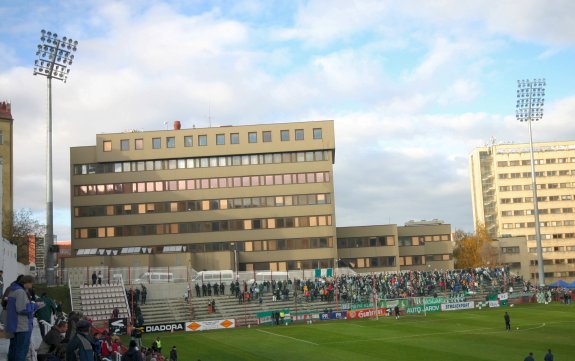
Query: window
pixel 299 134
pixel 139 144
pixel 170 142
pixel 202 140
pixel 317 133
pixel 156 143
pixel 502 164
pixel 220 139
pixel 252 137
pixel 188 141
pixel 284 135
pixel 267 136
pixel 235 138
pixel 124 144
pixel 107 146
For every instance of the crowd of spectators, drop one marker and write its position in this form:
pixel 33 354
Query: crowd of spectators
pixel 358 288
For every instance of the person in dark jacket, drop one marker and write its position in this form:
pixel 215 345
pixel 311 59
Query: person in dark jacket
pixel 52 342
pixel 548 356
pixel 173 354
pixel 132 354
pixel 94 278
pixel 529 357
pixel 81 347
pixel 45 313
pixel 507 322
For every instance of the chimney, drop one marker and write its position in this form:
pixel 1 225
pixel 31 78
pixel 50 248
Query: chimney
pixel 177 125
pixel 5 110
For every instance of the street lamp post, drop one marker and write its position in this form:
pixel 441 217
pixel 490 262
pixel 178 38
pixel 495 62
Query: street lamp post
pixel 55 56
pixel 530 101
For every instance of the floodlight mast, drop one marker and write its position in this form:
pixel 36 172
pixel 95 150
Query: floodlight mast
pixel 530 101
pixel 55 56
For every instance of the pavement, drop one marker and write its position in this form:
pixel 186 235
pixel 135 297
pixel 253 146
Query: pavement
pixel 5 343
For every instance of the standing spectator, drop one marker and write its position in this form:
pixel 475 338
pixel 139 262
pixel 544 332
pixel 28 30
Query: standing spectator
pixel 507 322
pixel 197 290
pixel 94 278
pixel 52 342
pixel 132 354
pixel 1 283
pixel 115 313
pixel 144 294
pixel 99 277
pixel 44 314
pixel 20 318
pixel 548 356
pixel 174 354
pixel 529 357
pixel 81 347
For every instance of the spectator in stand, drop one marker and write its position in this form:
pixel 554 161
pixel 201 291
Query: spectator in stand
pixel 106 346
pixel 45 313
pixel 98 345
pixel 19 317
pixel 144 294
pixel 197 290
pixel 52 342
pixel 94 278
pixel 99 277
pixel 132 354
pixel 81 347
pixel 115 313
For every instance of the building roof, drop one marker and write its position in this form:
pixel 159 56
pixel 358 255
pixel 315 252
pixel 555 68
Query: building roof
pixel 5 110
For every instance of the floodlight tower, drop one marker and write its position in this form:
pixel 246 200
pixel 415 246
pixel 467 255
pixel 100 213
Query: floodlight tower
pixel 530 101
pixel 55 56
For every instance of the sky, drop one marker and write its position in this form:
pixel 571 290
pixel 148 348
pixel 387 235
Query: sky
pixel 412 86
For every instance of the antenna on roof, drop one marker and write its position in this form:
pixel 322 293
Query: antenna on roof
pixel 166 124
pixel 210 114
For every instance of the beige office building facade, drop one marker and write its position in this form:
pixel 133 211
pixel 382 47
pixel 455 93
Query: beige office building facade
pixel 254 197
pixel 502 199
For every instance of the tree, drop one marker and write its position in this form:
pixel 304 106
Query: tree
pixel 18 231
pixel 474 250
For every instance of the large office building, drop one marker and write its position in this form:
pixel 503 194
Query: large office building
pixel 256 197
pixel 502 198
pixel 248 198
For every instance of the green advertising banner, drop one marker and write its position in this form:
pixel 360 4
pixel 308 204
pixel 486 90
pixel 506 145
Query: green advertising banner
pixel 415 310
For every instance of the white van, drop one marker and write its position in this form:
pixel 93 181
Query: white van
pixel 155 277
pixel 269 276
pixel 225 276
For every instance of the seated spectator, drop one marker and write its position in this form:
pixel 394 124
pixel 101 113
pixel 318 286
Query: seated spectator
pixel 52 342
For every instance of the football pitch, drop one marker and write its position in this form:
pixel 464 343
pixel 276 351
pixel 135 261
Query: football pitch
pixel 441 336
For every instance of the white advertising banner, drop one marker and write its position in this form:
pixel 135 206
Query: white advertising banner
pixel 210 325
pixel 503 296
pixel 493 304
pixel 457 306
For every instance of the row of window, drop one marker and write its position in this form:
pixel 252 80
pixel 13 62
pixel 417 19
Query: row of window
pixel 284 266
pixel 220 139
pixel 201 162
pixel 514 163
pixel 361 242
pixel 527 187
pixel 565 197
pixel 245 246
pixel 420 240
pixel 202 205
pixel 551 173
pixel 199 227
pixel 554 274
pixel 554 249
pixel 531 225
pixel 202 183
pixel 532 237
pixel 510 249
pixel 550 262
pixel 367 262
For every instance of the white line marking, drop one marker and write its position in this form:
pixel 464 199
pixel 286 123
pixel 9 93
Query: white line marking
pixel 292 338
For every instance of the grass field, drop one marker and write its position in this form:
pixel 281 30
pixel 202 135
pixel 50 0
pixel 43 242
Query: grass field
pixel 441 336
